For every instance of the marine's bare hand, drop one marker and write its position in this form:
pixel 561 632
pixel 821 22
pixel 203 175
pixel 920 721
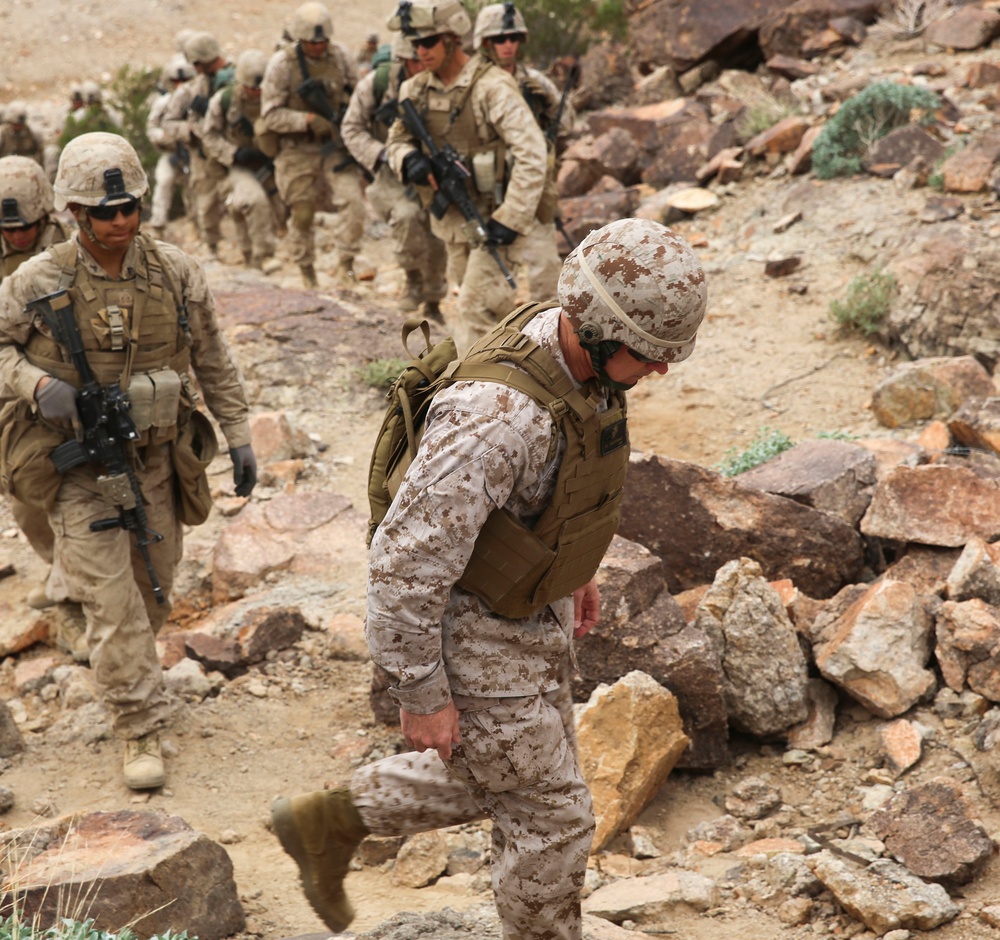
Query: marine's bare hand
pixel 437 732
pixel 586 608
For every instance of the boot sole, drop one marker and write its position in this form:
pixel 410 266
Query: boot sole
pixel 288 836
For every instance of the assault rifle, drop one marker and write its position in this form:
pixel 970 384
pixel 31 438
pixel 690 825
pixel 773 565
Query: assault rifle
pixel 313 92
pixel 452 189
pixel 107 428
pixel 180 159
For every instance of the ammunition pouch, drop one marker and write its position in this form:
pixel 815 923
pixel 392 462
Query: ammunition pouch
pixel 154 399
pixel 193 450
pixel 27 472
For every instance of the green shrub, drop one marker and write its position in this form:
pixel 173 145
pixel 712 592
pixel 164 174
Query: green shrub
pixel 766 444
pixel 11 928
pixel 867 302
pixel 559 28
pixel 761 116
pixel 380 373
pixel 863 119
pixel 130 93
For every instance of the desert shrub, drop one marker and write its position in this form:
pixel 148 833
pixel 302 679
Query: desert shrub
pixel 130 93
pixel 863 119
pixel 11 928
pixel 761 115
pixel 558 28
pixel 905 19
pixel 380 373
pixel 866 303
pixel 767 443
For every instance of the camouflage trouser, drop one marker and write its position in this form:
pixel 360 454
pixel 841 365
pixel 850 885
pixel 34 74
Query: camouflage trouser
pixel 540 263
pixel 166 177
pixel 415 247
pixel 252 215
pixel 34 523
pixel 104 572
pixel 206 181
pixel 516 764
pixel 305 176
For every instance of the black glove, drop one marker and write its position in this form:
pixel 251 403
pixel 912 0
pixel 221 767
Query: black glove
pixel 57 403
pixel 244 469
pixel 249 157
pixel 199 105
pixel 417 168
pixel 498 233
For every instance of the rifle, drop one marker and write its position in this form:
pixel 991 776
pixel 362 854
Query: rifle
pixel 313 92
pixel 180 159
pixel 552 131
pixel 107 428
pixel 451 175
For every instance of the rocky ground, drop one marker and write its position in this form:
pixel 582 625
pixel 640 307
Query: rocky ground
pixel 768 357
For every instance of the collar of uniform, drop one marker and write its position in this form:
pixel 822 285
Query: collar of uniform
pixel 128 264
pixel 544 330
pixel 464 77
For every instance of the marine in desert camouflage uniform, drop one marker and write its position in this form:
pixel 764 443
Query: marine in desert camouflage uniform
pixel 477 108
pixel 420 253
pixel 120 283
pixel 499 34
pixel 16 137
pixel 229 141
pixel 482 684
pixel 171 171
pixel 312 165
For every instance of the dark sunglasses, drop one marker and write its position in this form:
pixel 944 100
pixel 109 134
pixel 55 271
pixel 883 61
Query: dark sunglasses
pixel 508 37
pixel 427 42
pixel 639 357
pixel 108 213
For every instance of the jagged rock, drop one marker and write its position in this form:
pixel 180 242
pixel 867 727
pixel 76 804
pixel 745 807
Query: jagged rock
pixel 899 147
pixel 753 798
pixel 706 520
pixel 935 505
pixel 659 85
pixel 617 155
pixel 302 533
pixel 276 438
pixel 422 859
pixel 605 76
pixel 929 830
pixel 582 214
pixel 579 168
pixel 890 453
pixel 649 900
pixel 817 729
pixel 693 199
pixel 629 737
pixel 982 74
pixel 976 574
pixel 947 281
pixel 977 424
pixel 19 629
pixel 968 645
pixel 969 170
pixel 791 68
pixel 966 29
pixel 884 896
pixel 929 388
pixel 832 476
pixel 724 159
pixel 122 868
pixel 902 745
pixel 785 32
pixel 11 742
pixel 764 666
pixel 801 160
pixel 630 579
pixel 783 137
pixel 878 649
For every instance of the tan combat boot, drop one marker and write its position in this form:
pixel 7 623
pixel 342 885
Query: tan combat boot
pixel 38 598
pixel 321 830
pixel 413 293
pixel 143 763
pixel 308 275
pixel 432 311
pixel 344 275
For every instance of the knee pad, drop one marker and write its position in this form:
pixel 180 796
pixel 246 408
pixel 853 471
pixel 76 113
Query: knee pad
pixel 302 216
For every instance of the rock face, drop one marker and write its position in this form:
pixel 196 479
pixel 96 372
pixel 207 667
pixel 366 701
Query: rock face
pixel 696 506
pixel 124 868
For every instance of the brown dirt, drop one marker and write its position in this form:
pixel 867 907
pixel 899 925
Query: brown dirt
pixel 767 357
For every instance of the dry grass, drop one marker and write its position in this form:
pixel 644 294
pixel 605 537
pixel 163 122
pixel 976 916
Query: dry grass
pixel 909 18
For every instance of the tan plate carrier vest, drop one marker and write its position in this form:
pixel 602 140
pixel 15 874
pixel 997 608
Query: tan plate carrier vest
pixel 516 569
pixel 119 341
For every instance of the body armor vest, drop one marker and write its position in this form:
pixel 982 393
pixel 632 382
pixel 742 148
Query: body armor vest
pixel 327 70
pixel 140 314
pixel 240 112
pixel 515 568
pixel 449 120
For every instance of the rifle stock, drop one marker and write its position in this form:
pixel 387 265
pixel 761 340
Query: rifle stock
pixel 107 428
pixel 452 178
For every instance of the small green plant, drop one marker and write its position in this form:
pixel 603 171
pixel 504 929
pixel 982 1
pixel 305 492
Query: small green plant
pixel 867 302
pixel 836 436
pixel 130 93
pixel 766 444
pixel 380 373
pixel 761 116
pixel 11 928
pixel 869 115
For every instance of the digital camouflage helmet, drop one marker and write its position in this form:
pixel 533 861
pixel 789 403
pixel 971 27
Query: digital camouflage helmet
pixel 202 48
pixel 99 169
pixel 635 283
pixel 26 195
pixel 422 18
pixel 498 19
pixel 250 68
pixel 311 22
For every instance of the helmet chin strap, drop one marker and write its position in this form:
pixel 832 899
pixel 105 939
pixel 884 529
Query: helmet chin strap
pixel 600 353
pixel 83 220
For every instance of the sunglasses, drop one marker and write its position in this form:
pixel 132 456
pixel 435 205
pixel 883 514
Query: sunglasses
pixel 427 42
pixel 508 37
pixel 108 213
pixel 639 357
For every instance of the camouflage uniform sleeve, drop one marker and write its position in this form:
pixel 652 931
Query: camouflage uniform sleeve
pixel 154 122
pixel 400 141
pixel 356 126
pixel 280 79
pixel 37 276
pixel 213 132
pixel 217 372
pixel 499 103
pixel 482 443
pixel 176 127
pixel 348 63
